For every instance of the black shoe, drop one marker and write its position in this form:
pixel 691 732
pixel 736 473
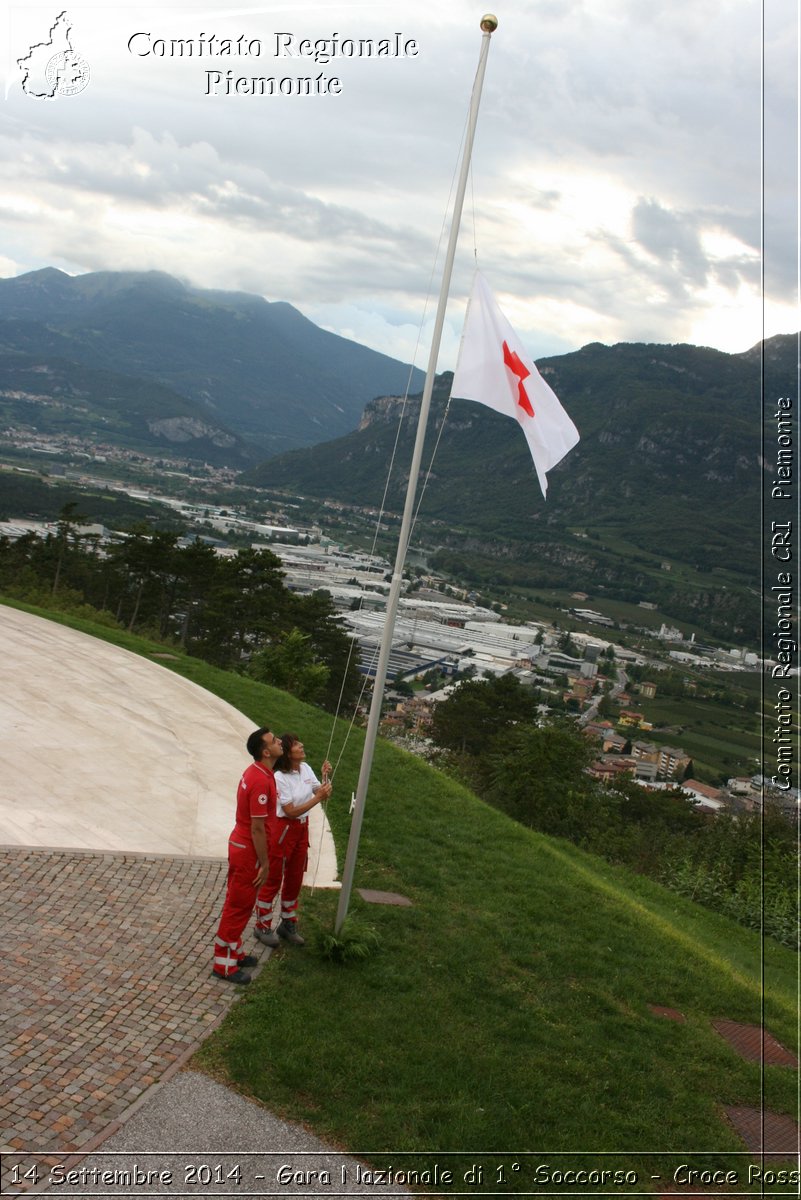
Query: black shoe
pixel 268 937
pixel 238 976
pixel 249 960
pixel 289 931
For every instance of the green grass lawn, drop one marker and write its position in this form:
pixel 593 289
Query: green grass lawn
pixel 553 605
pixel 507 1009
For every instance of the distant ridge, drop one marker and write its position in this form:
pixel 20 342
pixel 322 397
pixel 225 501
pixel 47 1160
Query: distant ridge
pixel 667 472
pixel 659 501
pixel 260 370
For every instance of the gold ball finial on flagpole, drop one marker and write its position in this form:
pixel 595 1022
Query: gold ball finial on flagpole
pixel 489 23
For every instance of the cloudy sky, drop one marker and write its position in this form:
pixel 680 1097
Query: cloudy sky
pixel 616 190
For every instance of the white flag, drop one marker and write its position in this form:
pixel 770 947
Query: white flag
pixel 494 369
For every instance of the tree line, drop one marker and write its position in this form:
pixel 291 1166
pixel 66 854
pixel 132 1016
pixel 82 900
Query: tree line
pixel 232 611
pixel 489 736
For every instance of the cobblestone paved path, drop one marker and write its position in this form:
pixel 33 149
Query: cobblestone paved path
pixel 106 985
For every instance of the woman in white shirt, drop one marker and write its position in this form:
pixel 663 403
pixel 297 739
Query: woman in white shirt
pixel 299 790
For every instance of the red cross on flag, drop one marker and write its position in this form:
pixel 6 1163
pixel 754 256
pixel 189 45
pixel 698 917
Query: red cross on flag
pixel 494 369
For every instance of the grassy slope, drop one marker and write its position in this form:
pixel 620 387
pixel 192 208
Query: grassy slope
pixel 508 1007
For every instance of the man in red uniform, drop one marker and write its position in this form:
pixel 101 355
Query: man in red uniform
pixel 247 855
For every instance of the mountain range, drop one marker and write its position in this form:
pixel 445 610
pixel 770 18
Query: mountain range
pixel 660 499
pixel 221 366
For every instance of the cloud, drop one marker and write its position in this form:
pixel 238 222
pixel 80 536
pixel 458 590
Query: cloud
pixel 615 190
pixel 673 239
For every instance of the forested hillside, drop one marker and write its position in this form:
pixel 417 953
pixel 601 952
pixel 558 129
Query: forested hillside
pixel 660 500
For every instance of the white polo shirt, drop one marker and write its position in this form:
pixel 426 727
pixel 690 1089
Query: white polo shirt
pixel 295 787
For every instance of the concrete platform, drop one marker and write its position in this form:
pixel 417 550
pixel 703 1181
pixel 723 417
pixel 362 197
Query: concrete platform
pixel 117 791
pixel 101 749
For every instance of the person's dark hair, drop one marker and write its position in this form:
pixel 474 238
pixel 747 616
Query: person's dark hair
pixel 255 743
pixel 287 742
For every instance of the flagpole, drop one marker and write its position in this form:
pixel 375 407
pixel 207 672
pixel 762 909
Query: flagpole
pixel 489 24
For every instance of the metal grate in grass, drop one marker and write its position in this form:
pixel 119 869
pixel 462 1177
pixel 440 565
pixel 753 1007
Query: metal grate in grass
pixel 374 897
pixel 766 1132
pixel 670 1014
pixel 755 1044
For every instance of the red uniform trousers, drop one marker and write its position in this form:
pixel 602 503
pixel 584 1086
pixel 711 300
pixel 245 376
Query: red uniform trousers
pixel 240 896
pixel 288 842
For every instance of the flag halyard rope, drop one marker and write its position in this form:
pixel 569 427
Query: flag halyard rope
pixel 382 507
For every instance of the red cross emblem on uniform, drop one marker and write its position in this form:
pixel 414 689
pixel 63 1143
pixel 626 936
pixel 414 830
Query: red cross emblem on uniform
pixel 518 368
